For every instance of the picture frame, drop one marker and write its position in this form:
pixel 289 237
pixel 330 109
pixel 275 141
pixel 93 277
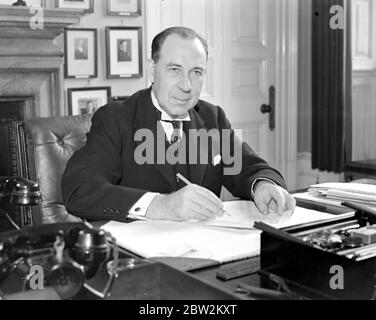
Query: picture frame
pixel 81 53
pixel 124 52
pixel 86 5
pixel 130 8
pixel 87 100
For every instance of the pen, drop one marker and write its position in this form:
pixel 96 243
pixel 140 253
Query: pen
pixel 187 182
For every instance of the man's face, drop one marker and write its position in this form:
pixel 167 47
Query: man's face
pixel 90 106
pixel 124 46
pixel 179 74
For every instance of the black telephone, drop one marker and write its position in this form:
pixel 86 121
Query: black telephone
pixel 68 254
pixel 19 191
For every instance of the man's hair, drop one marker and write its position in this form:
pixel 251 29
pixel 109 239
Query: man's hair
pixel 183 32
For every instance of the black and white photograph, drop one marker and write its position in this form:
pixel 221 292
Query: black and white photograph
pixel 81 53
pixel 87 100
pixel 86 5
pixel 124 7
pixel 218 152
pixel 124 52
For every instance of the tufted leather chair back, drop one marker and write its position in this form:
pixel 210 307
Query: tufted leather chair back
pixel 50 144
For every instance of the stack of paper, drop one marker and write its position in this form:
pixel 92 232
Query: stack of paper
pixel 225 239
pixel 150 239
pixel 316 197
pixel 354 192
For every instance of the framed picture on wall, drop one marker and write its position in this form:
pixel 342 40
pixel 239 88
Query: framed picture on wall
pixel 124 7
pixel 81 53
pixel 86 5
pixel 87 100
pixel 124 52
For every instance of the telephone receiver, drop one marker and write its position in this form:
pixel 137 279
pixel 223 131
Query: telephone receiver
pixel 66 254
pixel 19 191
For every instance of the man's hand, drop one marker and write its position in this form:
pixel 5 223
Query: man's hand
pixel 190 203
pixel 272 198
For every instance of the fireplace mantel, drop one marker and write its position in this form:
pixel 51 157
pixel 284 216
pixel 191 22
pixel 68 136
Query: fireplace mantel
pixel 30 61
pixel 15 22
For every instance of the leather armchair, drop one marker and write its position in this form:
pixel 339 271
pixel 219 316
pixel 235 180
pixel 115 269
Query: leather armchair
pixel 49 143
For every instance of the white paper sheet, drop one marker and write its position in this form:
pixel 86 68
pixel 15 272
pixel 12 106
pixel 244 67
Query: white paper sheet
pixel 172 239
pixel 354 192
pixel 316 198
pixel 193 240
pixel 350 196
pixel 244 214
pixel 359 188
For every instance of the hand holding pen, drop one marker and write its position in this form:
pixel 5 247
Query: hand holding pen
pixel 192 202
pixel 187 182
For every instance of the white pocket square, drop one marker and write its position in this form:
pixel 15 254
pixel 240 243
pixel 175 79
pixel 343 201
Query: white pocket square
pixel 217 160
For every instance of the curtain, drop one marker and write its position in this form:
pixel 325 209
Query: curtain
pixel 331 88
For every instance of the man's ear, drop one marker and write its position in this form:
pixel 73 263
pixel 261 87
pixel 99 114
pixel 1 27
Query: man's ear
pixel 150 70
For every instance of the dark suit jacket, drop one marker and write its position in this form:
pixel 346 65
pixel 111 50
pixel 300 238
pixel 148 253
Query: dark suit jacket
pixel 103 180
pixel 123 56
pixel 80 55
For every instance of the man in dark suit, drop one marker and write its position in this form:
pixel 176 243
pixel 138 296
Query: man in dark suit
pixel 127 167
pixel 124 51
pixel 80 52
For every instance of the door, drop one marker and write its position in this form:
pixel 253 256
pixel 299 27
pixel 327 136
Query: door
pixel 245 39
pixel 364 79
pixel 249 42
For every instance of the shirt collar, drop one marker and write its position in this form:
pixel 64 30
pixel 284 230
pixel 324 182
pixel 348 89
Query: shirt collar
pixel 164 115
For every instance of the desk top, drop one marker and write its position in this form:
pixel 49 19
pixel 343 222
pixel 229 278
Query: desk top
pixel 228 276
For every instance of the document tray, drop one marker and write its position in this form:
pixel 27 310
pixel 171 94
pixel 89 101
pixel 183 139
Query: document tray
pixel 287 254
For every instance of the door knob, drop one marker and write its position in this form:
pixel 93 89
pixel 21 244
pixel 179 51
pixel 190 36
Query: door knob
pixel 266 108
pixel 270 108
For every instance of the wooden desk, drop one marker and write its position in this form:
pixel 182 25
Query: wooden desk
pixel 208 273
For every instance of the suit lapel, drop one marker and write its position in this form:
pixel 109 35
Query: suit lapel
pixel 197 170
pixel 147 117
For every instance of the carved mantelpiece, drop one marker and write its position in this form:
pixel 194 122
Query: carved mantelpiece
pixel 30 61
pixel 15 22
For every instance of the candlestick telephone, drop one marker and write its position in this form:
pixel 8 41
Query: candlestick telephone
pixel 66 254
